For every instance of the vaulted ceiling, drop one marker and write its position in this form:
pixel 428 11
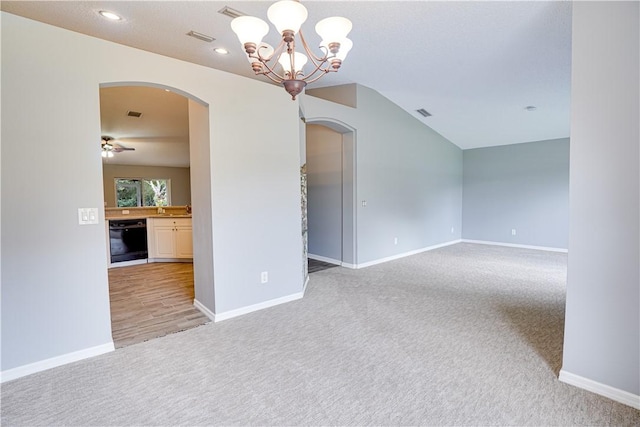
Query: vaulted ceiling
pixel 475 65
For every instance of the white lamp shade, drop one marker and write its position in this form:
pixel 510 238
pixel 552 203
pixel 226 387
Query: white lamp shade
pixel 299 59
pixel 287 15
pixel 333 29
pixel 249 29
pixel 345 47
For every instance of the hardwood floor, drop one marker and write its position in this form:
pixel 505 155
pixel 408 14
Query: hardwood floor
pixel 151 300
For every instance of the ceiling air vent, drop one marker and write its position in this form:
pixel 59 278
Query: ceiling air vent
pixel 200 36
pixel 231 13
pixel 133 114
pixel 423 112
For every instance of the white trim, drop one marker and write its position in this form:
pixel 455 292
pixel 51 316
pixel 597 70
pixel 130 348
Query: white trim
pixel 43 365
pixel 613 393
pixel 255 307
pixel 128 263
pixel 210 314
pixel 514 245
pixel 324 259
pixel 306 282
pixel 347 265
pixel 153 260
pixel 406 254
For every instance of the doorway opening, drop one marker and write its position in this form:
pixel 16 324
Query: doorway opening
pixel 331 194
pixel 154 296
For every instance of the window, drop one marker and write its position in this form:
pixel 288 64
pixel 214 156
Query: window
pixel 132 192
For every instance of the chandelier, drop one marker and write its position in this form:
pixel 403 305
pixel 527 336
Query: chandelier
pixel 287 16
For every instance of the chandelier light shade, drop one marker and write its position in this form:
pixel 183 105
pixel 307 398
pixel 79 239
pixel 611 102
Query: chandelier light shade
pixel 250 30
pixel 288 16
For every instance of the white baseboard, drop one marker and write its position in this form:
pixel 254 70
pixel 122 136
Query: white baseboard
pixel 406 254
pixel 43 365
pixel 612 393
pixel 324 259
pixel 210 314
pixel 127 263
pixel 513 245
pixel 255 307
pixel 152 260
pixel 351 266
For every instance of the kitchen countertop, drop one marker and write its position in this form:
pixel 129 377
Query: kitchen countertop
pixel 143 216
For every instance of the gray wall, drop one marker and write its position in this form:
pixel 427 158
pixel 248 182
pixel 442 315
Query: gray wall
pixel 521 186
pixel 180 181
pixel 602 327
pixel 324 194
pixel 55 299
pixel 200 159
pixel 409 175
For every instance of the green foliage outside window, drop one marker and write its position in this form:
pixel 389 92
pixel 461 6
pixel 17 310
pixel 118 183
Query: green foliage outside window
pixel 142 192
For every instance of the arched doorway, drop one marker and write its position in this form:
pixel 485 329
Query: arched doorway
pixel 182 315
pixel 331 191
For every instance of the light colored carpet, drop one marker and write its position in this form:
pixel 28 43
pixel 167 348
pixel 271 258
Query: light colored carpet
pixel 463 335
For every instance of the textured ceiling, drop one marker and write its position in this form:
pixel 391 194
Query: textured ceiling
pixel 160 136
pixel 474 65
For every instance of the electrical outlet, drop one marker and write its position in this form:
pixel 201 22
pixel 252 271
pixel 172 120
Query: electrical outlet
pixel 513 231
pixel 264 277
pixel 395 240
pixel 451 230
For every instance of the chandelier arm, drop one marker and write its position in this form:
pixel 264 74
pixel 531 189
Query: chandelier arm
pixel 265 62
pixel 324 71
pixel 318 62
pixel 276 79
pixel 317 69
pixel 272 71
pixel 312 55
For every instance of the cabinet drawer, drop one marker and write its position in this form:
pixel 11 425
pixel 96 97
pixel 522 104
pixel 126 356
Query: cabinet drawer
pixel 170 222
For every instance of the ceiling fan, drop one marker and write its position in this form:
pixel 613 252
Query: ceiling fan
pixel 109 147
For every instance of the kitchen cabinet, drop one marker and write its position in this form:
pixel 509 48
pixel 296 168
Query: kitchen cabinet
pixel 170 238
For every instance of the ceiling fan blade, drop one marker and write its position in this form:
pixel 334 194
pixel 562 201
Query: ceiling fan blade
pixel 119 148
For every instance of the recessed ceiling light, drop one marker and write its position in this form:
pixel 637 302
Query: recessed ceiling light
pixel 110 15
pixel 530 108
pixel 221 51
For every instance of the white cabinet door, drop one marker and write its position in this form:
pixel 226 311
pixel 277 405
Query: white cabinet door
pixel 165 242
pixel 184 242
pixel 171 238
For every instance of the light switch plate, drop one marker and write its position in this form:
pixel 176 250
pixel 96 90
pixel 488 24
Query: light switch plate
pixel 87 216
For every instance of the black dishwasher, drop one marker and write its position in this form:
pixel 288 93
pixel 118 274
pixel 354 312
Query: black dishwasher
pixel 128 239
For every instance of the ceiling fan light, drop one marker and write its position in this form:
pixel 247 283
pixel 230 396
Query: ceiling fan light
pixel 249 29
pixel 333 29
pixel 287 15
pixel 299 59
